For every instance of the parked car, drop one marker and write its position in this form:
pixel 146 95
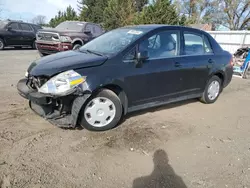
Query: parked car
pixel 125 70
pixel 17 34
pixel 67 35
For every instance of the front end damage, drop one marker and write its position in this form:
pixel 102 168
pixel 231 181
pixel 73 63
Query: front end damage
pixel 62 111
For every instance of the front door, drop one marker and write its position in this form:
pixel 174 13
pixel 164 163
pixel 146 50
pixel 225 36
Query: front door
pixel 13 35
pixel 159 77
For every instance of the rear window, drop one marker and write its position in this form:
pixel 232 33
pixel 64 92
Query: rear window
pixel 193 44
pixel 72 26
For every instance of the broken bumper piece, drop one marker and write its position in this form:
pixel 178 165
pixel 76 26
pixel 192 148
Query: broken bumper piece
pixel 60 111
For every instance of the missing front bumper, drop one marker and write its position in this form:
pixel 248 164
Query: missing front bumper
pixel 60 111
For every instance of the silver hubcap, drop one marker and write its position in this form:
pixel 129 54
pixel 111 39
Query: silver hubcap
pixel 213 90
pixel 99 112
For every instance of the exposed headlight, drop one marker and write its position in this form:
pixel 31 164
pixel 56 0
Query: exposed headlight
pixel 65 39
pixel 26 74
pixel 63 83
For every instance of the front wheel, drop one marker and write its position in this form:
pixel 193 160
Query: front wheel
pixel 76 46
pixel 41 54
pixel 101 112
pixel 212 90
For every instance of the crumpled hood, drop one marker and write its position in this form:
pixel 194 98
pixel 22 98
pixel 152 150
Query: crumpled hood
pixel 63 61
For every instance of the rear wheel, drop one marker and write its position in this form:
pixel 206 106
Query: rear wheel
pixel 101 112
pixel 212 90
pixel 1 44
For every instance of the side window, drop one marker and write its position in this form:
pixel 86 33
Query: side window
pixel 14 26
pixel 130 56
pixel 98 30
pixel 208 48
pixel 26 27
pixel 37 27
pixel 161 45
pixel 193 44
pixel 93 29
pixel 88 27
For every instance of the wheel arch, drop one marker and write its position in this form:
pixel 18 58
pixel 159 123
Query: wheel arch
pixel 220 74
pixel 120 92
pixel 1 37
pixel 77 41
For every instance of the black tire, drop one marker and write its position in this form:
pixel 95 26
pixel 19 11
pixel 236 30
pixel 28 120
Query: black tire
pixel 205 99
pixel 33 46
pixel 118 106
pixel 2 45
pixel 77 46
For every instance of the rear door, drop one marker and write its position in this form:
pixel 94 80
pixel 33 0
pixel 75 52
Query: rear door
pixel 195 62
pixel 14 35
pixel 28 34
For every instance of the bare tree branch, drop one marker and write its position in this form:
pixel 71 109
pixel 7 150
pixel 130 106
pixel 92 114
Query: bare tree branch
pixel 39 20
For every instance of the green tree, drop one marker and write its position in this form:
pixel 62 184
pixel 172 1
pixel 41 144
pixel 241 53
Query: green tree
pixel 92 10
pixel 68 14
pixel 183 20
pixel 119 13
pixel 140 4
pixel 159 12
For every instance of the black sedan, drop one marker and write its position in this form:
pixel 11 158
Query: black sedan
pixel 125 70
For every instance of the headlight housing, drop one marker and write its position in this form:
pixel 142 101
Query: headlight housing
pixel 62 84
pixel 65 39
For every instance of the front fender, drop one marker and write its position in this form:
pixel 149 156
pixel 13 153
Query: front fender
pixel 76 108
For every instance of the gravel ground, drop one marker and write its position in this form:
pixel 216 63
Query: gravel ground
pixel 187 144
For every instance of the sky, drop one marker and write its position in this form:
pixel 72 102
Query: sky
pixel 28 9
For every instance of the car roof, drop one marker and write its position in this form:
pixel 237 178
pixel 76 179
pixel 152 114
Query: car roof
pixel 149 27
pixel 18 21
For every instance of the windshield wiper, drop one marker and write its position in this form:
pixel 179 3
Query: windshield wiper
pixel 92 52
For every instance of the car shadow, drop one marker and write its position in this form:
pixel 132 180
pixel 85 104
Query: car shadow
pixel 159 108
pixel 163 175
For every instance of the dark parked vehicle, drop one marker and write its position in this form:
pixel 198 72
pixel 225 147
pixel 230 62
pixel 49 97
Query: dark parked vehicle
pixel 125 70
pixel 17 34
pixel 67 35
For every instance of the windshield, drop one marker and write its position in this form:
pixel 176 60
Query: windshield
pixel 72 26
pixel 113 41
pixel 3 24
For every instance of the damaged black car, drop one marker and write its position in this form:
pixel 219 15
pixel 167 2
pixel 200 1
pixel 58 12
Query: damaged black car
pixel 125 70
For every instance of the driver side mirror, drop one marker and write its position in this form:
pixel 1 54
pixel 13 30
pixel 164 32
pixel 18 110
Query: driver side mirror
pixel 9 28
pixel 141 57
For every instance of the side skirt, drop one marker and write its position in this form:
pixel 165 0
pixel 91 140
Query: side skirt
pixel 162 102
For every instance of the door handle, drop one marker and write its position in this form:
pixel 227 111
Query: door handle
pixel 177 64
pixel 210 61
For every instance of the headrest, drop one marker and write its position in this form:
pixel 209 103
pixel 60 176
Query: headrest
pixel 170 46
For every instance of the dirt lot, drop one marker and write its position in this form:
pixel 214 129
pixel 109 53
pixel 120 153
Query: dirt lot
pixel 187 144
